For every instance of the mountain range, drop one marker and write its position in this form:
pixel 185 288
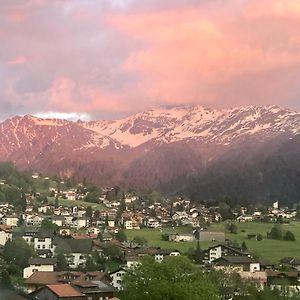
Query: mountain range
pixel 251 153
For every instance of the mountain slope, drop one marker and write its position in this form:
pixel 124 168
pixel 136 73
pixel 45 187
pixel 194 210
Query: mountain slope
pixel 201 151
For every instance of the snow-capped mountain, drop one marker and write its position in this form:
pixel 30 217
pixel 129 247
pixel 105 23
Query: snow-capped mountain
pixel 158 147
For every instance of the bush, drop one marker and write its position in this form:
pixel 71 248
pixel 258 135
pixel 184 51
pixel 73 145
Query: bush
pixel 289 236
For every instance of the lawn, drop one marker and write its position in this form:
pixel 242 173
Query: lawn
pixel 66 202
pixel 153 236
pixel 269 249
pixel 272 250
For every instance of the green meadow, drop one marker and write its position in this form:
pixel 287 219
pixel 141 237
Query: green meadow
pixel 70 203
pixel 272 250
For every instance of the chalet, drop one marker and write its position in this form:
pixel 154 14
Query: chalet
pixel 57 292
pixel 95 290
pixel 43 240
pixel 74 250
pixel 117 277
pixel 39 279
pixel 161 254
pixel 39 264
pixel 179 216
pixel 153 223
pixel 127 224
pixel 33 220
pixel 5 234
pixel 10 220
pixel 64 231
pixel 181 237
pixel 221 250
pixel 292 262
pixel 289 282
pixel 245 218
pixel 236 264
pixel 58 220
pixel 71 195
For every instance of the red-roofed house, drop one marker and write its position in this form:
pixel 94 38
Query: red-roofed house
pixel 57 291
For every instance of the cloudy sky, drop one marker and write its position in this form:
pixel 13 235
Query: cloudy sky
pixel 110 58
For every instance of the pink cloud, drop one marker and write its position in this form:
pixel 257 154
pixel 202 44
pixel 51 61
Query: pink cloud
pixel 191 55
pixel 18 60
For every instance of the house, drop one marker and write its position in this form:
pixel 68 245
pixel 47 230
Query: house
pixel 10 220
pixel 74 250
pixel 117 277
pixel 58 220
pixel 80 222
pixel 128 224
pixel 111 222
pixel 71 195
pixel 292 262
pixel 43 240
pixel 289 282
pixel 245 218
pixel 39 279
pixel 236 264
pixel 95 290
pixel 5 234
pixel 33 220
pixel 39 264
pixel 153 223
pixel 259 277
pixel 64 231
pixel 221 250
pixel 57 291
pixel 161 254
pixel 179 216
pixel 181 237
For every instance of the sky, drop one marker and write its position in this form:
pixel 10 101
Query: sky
pixel 106 59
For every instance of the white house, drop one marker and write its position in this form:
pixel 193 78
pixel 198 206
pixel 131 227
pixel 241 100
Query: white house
pixel 11 221
pixel 43 241
pixel 5 234
pixel 128 224
pixel 117 277
pixel 38 264
pixel 163 253
pixel 71 195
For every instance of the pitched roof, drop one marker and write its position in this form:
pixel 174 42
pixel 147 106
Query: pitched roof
pixel 235 260
pixel 5 228
pixel 69 245
pixel 47 277
pixel 40 278
pixel 64 290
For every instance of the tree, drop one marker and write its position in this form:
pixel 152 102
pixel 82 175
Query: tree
pixel 62 264
pixel 121 236
pixel 56 204
pixel 244 246
pixel 175 279
pixel 289 236
pixel 232 228
pixel 47 224
pixel 275 233
pixel 198 254
pixel 140 240
pixel 113 251
pixel 17 252
pixel 89 212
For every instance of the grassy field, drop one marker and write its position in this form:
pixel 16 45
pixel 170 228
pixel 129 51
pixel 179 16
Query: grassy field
pixel 153 236
pixel 272 250
pixel 66 202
